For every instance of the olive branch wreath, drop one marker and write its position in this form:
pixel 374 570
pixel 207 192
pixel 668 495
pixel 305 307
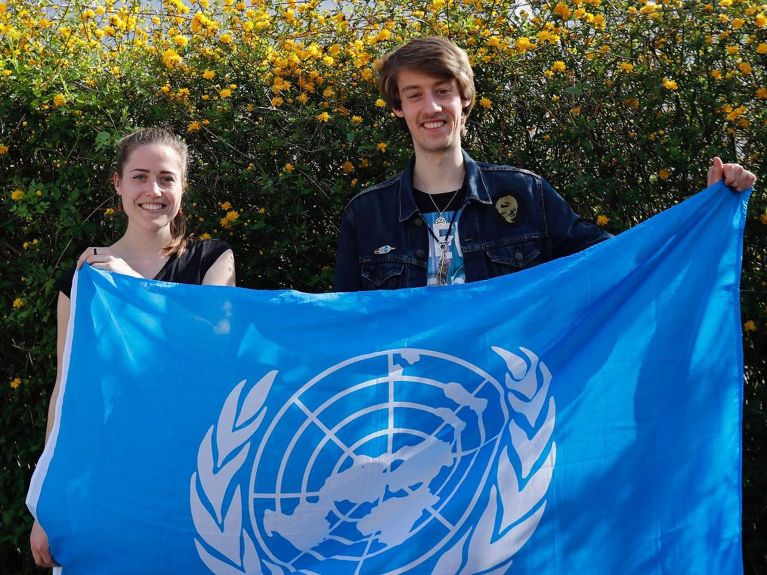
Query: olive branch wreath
pixel 222 453
pixel 217 511
pixel 516 498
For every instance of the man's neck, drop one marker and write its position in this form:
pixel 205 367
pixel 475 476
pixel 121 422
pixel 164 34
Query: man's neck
pixel 437 173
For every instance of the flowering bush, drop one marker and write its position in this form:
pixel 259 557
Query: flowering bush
pixel 619 104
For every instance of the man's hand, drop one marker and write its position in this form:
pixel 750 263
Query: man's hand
pixel 735 176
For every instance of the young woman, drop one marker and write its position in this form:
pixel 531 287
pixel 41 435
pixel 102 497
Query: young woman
pixel 149 177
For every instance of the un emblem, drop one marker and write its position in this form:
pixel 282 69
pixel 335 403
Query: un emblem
pixel 401 461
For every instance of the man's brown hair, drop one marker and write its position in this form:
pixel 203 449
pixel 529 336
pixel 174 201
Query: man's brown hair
pixel 435 56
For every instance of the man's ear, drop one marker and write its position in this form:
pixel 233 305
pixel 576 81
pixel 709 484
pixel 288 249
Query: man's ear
pixel 399 113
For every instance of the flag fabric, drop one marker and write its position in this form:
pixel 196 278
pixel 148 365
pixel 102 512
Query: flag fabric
pixel 580 417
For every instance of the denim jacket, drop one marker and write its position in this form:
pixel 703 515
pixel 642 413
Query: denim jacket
pixel 383 242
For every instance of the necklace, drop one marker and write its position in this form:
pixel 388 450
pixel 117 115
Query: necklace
pixel 444 265
pixel 441 222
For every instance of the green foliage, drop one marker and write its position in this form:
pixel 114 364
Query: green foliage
pixel 620 105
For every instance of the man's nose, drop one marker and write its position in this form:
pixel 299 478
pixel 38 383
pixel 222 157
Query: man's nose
pixel 432 104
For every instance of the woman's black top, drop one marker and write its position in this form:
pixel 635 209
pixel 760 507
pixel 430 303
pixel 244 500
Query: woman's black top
pixel 188 268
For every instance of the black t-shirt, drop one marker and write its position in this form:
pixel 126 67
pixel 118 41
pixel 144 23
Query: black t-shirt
pixel 188 268
pixel 442 202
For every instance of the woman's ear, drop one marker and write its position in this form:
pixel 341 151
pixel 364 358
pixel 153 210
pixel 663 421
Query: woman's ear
pixel 117 183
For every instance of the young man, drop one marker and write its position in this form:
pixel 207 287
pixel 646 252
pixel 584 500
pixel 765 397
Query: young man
pixel 447 219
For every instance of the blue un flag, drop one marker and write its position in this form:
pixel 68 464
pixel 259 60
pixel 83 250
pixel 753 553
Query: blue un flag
pixel 581 417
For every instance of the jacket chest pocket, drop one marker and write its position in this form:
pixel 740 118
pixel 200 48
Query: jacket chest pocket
pixel 387 272
pixel 513 257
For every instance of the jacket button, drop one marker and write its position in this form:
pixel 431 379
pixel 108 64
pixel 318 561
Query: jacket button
pixel 418 222
pixel 420 253
pixel 518 256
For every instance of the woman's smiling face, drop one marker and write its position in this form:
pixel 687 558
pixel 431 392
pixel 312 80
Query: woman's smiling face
pixel 151 185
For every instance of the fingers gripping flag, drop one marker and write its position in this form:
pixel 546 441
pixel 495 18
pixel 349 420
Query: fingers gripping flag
pixel 579 417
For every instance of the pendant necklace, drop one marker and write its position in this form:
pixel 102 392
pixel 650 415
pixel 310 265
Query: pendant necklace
pixel 441 222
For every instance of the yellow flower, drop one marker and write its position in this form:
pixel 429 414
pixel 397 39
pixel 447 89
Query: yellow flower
pixel 602 220
pixel 225 93
pixel 3 149
pixel 670 84
pixel 170 58
pixel 277 101
pixel 558 66
pixel 485 102
pixel 763 218
pixel 347 167
pixel 18 303
pixel 750 325
pixel 208 74
pixel 288 168
pixel 15 382
pixel 380 103
pixel 738 23
pixel 626 67
pixel 226 38
pixel 761 93
pixel 762 48
pixel 109 212
pixel 226 206
pixel 116 72
pixel 356 120
pixel 302 98
pixel 716 74
pixel 562 11
pixel 59 100
pixel 523 44
pixel 745 68
pixel 663 174
pixel 262 211
pixel 17 195
pixel 205 236
pixel 323 116
pixel 760 21
pixel 382 146
pixel 733 49
pixel 232 215
pixel 733 115
pixel 180 40
pixel 193 126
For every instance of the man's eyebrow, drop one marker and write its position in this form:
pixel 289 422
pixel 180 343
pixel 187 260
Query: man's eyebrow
pixel 144 170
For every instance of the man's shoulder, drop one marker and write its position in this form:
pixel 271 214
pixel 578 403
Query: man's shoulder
pixel 375 191
pixel 487 167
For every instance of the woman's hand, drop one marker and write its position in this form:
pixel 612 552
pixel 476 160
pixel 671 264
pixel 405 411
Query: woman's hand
pixel 38 541
pixel 103 259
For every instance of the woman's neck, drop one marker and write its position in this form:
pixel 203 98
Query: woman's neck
pixel 141 248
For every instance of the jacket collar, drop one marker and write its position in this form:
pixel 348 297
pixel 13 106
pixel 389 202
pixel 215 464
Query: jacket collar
pixel 473 185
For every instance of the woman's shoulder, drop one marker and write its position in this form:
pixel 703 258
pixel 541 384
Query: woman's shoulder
pixel 207 249
pixel 191 265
